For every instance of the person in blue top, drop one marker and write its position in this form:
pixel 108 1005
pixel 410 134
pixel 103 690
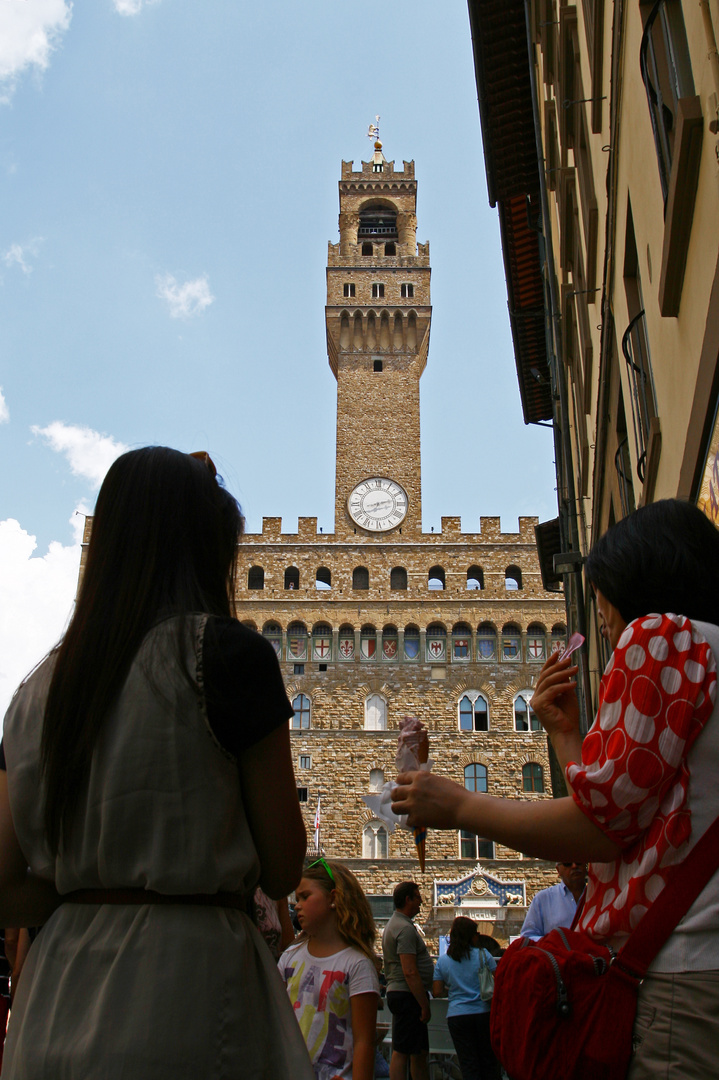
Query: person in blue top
pixel 557 905
pixel 456 974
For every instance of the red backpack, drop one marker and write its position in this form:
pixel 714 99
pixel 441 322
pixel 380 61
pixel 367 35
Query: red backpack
pixel 564 1006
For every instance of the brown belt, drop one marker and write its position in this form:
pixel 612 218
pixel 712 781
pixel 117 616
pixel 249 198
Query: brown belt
pixel 149 896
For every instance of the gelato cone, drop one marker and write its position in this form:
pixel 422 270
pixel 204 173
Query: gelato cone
pixel 420 839
pixel 413 751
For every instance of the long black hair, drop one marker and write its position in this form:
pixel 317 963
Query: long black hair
pixel 462 935
pixel 163 543
pixel 662 558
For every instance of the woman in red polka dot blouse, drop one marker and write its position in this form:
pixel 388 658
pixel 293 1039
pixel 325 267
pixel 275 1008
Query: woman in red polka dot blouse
pixel 643 782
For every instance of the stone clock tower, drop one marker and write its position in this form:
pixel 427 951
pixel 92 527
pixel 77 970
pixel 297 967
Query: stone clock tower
pixel 378 317
pixel 378 620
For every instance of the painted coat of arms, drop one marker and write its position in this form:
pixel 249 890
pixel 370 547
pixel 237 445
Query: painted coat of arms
pixel 411 648
pixel 321 648
pixel 297 647
pixel 435 649
pixel 368 647
pixel 347 648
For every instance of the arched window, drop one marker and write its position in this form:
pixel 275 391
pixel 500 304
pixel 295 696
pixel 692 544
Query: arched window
pixel 436 578
pixel 398 578
pixel 411 643
pixel 512 578
pixel 322 642
pixel 461 642
pixel 390 642
pixel 360 577
pixel 323 578
pixel 533 777
pixel 292 578
pixel 486 642
pixel 559 637
pixel 301 719
pixel 511 642
pixel 273 632
pixel 375 713
pixel 524 718
pixel 475 777
pixel 374 841
pixel 368 643
pixel 256 578
pixel 475 577
pixel 297 641
pixel 249 623
pixel 346 643
pixel 536 642
pixel 473 712
pixel 436 645
pixel 376 779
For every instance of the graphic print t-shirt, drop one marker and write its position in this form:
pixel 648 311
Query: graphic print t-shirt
pixel 320 988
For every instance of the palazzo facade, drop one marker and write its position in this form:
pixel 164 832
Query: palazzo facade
pixel 380 620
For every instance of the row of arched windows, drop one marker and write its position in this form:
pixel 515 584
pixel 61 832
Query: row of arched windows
pixel 473 713
pixel 460 645
pixel 436 578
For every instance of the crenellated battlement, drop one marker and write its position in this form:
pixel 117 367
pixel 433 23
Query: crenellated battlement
pixel 490 532
pixel 388 172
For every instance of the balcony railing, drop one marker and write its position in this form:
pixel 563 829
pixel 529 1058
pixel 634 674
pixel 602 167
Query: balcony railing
pixel 660 111
pixel 623 467
pixel 378 230
pixel 641 389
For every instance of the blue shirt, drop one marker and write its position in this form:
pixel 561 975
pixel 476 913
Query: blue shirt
pixel 551 907
pixel 461 977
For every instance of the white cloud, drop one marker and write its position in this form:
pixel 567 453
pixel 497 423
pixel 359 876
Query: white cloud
pixel 184 300
pixel 132 7
pixel 18 254
pixel 4 411
pixel 89 453
pixel 29 31
pixel 36 598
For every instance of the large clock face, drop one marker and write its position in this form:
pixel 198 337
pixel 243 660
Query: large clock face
pixel 378 504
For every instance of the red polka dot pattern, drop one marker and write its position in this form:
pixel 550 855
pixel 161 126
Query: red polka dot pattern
pixel 657 693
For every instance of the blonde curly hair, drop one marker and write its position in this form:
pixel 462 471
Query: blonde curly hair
pixel 354 915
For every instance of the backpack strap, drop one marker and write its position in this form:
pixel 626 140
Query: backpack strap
pixel 685 884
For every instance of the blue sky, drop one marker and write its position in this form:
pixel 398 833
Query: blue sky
pixel 168 183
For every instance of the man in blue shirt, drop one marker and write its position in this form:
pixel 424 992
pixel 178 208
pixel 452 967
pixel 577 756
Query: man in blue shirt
pixel 556 905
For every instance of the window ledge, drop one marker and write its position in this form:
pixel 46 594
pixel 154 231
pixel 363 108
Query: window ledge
pixel 679 210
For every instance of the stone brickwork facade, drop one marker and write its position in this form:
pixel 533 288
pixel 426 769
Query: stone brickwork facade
pixel 377 622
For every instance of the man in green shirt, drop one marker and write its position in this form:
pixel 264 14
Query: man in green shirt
pixel 408 969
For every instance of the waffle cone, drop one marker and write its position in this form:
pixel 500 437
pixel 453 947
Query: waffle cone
pixel 420 839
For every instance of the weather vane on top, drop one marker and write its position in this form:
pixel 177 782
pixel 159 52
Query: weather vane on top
pixel 373 132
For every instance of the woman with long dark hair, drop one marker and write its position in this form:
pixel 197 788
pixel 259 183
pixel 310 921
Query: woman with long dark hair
pixel 643 782
pixel 457 974
pixel 148 787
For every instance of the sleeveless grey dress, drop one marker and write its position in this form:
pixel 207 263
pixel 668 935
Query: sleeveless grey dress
pixel 119 992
